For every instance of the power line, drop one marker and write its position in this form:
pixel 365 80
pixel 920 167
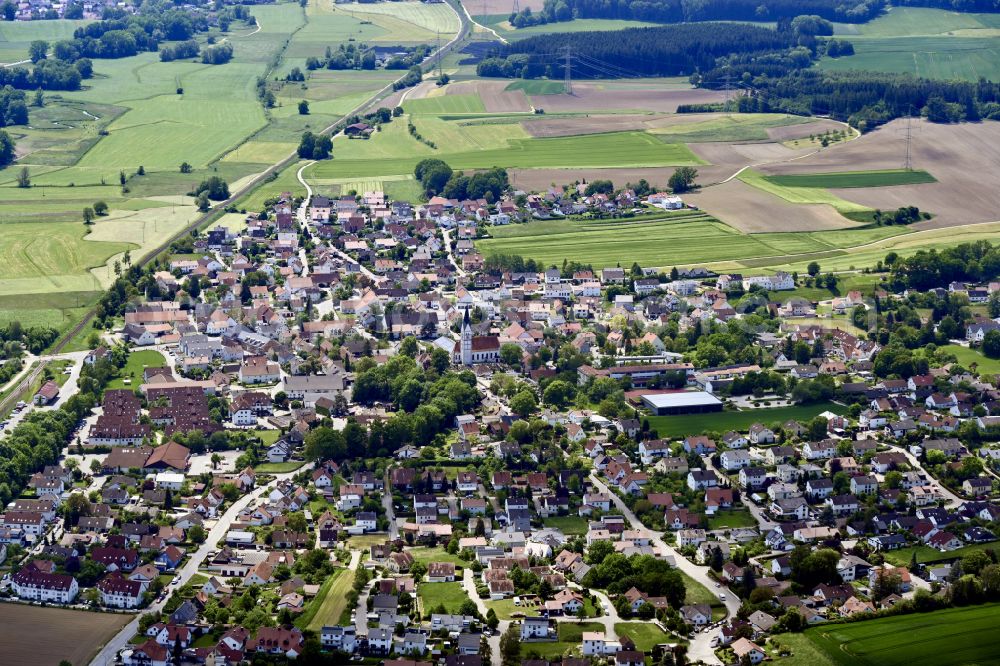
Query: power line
pixel 568 70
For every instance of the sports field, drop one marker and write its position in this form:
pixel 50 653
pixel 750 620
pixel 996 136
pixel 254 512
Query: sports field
pixel 954 637
pixel 693 424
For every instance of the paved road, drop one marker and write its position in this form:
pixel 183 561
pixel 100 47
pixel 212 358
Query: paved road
pixel 451 257
pixel 387 505
pixel 469 585
pixel 184 574
pixel 698 573
pixel 952 500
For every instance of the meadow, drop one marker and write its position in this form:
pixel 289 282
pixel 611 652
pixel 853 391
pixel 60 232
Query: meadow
pixel 954 636
pixel 972 357
pixel 801 195
pixel 433 595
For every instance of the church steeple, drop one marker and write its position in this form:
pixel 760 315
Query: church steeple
pixel 466 347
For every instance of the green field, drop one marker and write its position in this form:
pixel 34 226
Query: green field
pixel 933 43
pixel 969 357
pixel 616 149
pixel 331 602
pixel 137 362
pixel 443 104
pixel 432 595
pixel 568 525
pixel 729 518
pixel 846 179
pixel 507 31
pixel 538 87
pixel 956 636
pixel 645 635
pixel 693 424
pixel 800 195
pixel 278 468
pixel 927 555
pixel 671 239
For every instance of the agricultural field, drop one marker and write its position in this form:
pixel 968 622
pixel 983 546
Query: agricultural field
pixel 933 43
pixel 46 636
pixel 848 179
pixel 954 636
pixel 139 111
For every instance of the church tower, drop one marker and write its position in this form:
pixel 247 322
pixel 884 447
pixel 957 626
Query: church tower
pixel 466 340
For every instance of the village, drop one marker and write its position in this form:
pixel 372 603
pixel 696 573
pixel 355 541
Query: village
pixel 340 429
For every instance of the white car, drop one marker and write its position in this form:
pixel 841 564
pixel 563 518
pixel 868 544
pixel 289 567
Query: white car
pixel 722 597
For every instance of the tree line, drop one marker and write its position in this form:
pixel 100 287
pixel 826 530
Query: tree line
pixel 661 51
pixel 687 11
pixel 48 74
pixel 437 177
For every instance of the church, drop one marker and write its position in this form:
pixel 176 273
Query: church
pixel 474 350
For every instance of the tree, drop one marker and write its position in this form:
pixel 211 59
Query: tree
pixel 991 344
pixel 492 621
pixel 24 178
pixel 196 534
pixel 185 168
pixel 6 149
pixel 303 108
pixel 38 50
pixel 813 269
pixel 682 179
pixel 88 215
pixel 214 187
pixel 510 647
pixel 100 208
pixel 558 393
pixel 511 354
pixel 524 403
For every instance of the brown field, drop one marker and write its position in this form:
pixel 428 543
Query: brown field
pixel 588 124
pixel 963 158
pixel 751 210
pixel 478 7
pixel 541 179
pixel 495 98
pixel 36 636
pixel 594 96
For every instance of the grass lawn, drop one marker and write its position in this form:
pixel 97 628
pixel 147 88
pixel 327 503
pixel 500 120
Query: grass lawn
pixel 278 468
pixel 954 636
pixel 693 424
pixel 570 637
pixel 432 595
pixel 696 593
pixel 425 555
pixel 137 362
pixel 854 179
pixel 928 555
pixel 803 651
pixel 569 525
pixel 973 357
pixel 505 608
pixel 268 437
pixel 731 518
pixel 645 635
pixel 936 57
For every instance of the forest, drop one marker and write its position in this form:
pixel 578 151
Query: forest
pixel 678 11
pixel 678 50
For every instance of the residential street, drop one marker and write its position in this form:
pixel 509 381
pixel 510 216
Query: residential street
pixel 190 568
